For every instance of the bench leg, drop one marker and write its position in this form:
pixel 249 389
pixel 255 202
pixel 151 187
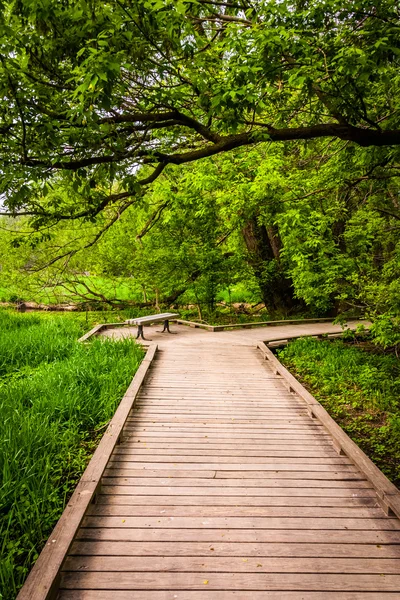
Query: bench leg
pixel 166 327
pixel 140 333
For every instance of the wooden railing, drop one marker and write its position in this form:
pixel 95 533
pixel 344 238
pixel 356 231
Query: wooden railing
pixel 43 580
pixel 387 492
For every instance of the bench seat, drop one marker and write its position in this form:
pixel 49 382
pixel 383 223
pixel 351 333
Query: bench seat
pixel 152 318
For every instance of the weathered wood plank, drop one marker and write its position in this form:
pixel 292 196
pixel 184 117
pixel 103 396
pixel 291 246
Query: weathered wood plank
pixel 282 536
pixel 275 485
pixel 286 523
pixel 243 564
pixel 204 441
pixel 220 595
pixel 299 473
pixel 198 549
pixel 226 581
pixel 248 501
pixel 233 466
pixel 189 450
pixel 175 473
pixel 230 509
pixel 295 436
pixel 232 428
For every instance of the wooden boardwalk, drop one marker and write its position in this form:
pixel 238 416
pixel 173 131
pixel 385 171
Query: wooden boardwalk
pixel 225 488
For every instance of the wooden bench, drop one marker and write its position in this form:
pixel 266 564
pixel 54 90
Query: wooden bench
pixel 140 321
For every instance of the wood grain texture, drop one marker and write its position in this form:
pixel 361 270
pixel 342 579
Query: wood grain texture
pixel 244 536
pixel 232 564
pixel 220 595
pixel 229 581
pixel 264 550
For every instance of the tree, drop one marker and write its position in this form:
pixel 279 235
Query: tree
pixel 103 96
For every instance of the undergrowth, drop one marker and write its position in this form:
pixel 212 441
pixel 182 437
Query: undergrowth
pixel 360 388
pixel 55 395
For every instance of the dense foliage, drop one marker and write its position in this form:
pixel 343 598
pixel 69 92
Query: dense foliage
pixel 55 396
pixel 293 109
pixel 359 388
pixel 105 95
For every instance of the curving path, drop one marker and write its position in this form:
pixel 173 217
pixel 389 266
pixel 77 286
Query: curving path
pixel 225 488
pixel 188 336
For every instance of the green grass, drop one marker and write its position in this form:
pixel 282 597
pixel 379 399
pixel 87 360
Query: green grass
pixel 360 388
pixel 54 395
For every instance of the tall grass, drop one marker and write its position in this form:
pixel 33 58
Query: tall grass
pixel 360 388
pixel 54 394
pixel 31 340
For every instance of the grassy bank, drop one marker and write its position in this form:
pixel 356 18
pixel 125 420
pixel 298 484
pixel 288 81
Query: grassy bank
pixel 360 388
pixel 55 395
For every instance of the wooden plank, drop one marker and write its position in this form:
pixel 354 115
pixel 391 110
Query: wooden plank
pixel 297 473
pixel 232 509
pixel 232 466
pixel 289 479
pixel 231 425
pixel 180 474
pixel 237 462
pixel 195 421
pixel 189 450
pixel 225 581
pixel 281 448
pixel 239 457
pixel 217 413
pixel 243 536
pixel 100 548
pixel 294 436
pixel 286 523
pixel 191 387
pixel 220 410
pixel 172 406
pixel 248 501
pixel 43 578
pixel 214 564
pixel 270 441
pixel 233 429
pixel 220 595
pixel 223 422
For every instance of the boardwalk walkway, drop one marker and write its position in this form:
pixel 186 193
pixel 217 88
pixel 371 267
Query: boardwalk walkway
pixel 224 488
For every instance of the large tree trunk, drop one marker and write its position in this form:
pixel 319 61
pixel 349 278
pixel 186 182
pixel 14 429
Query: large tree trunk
pixel 263 245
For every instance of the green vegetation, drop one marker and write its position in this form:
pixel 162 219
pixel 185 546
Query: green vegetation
pixel 55 397
pixel 162 153
pixel 359 387
pixel 233 160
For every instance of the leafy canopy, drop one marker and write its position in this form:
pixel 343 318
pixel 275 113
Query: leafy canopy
pixel 104 95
